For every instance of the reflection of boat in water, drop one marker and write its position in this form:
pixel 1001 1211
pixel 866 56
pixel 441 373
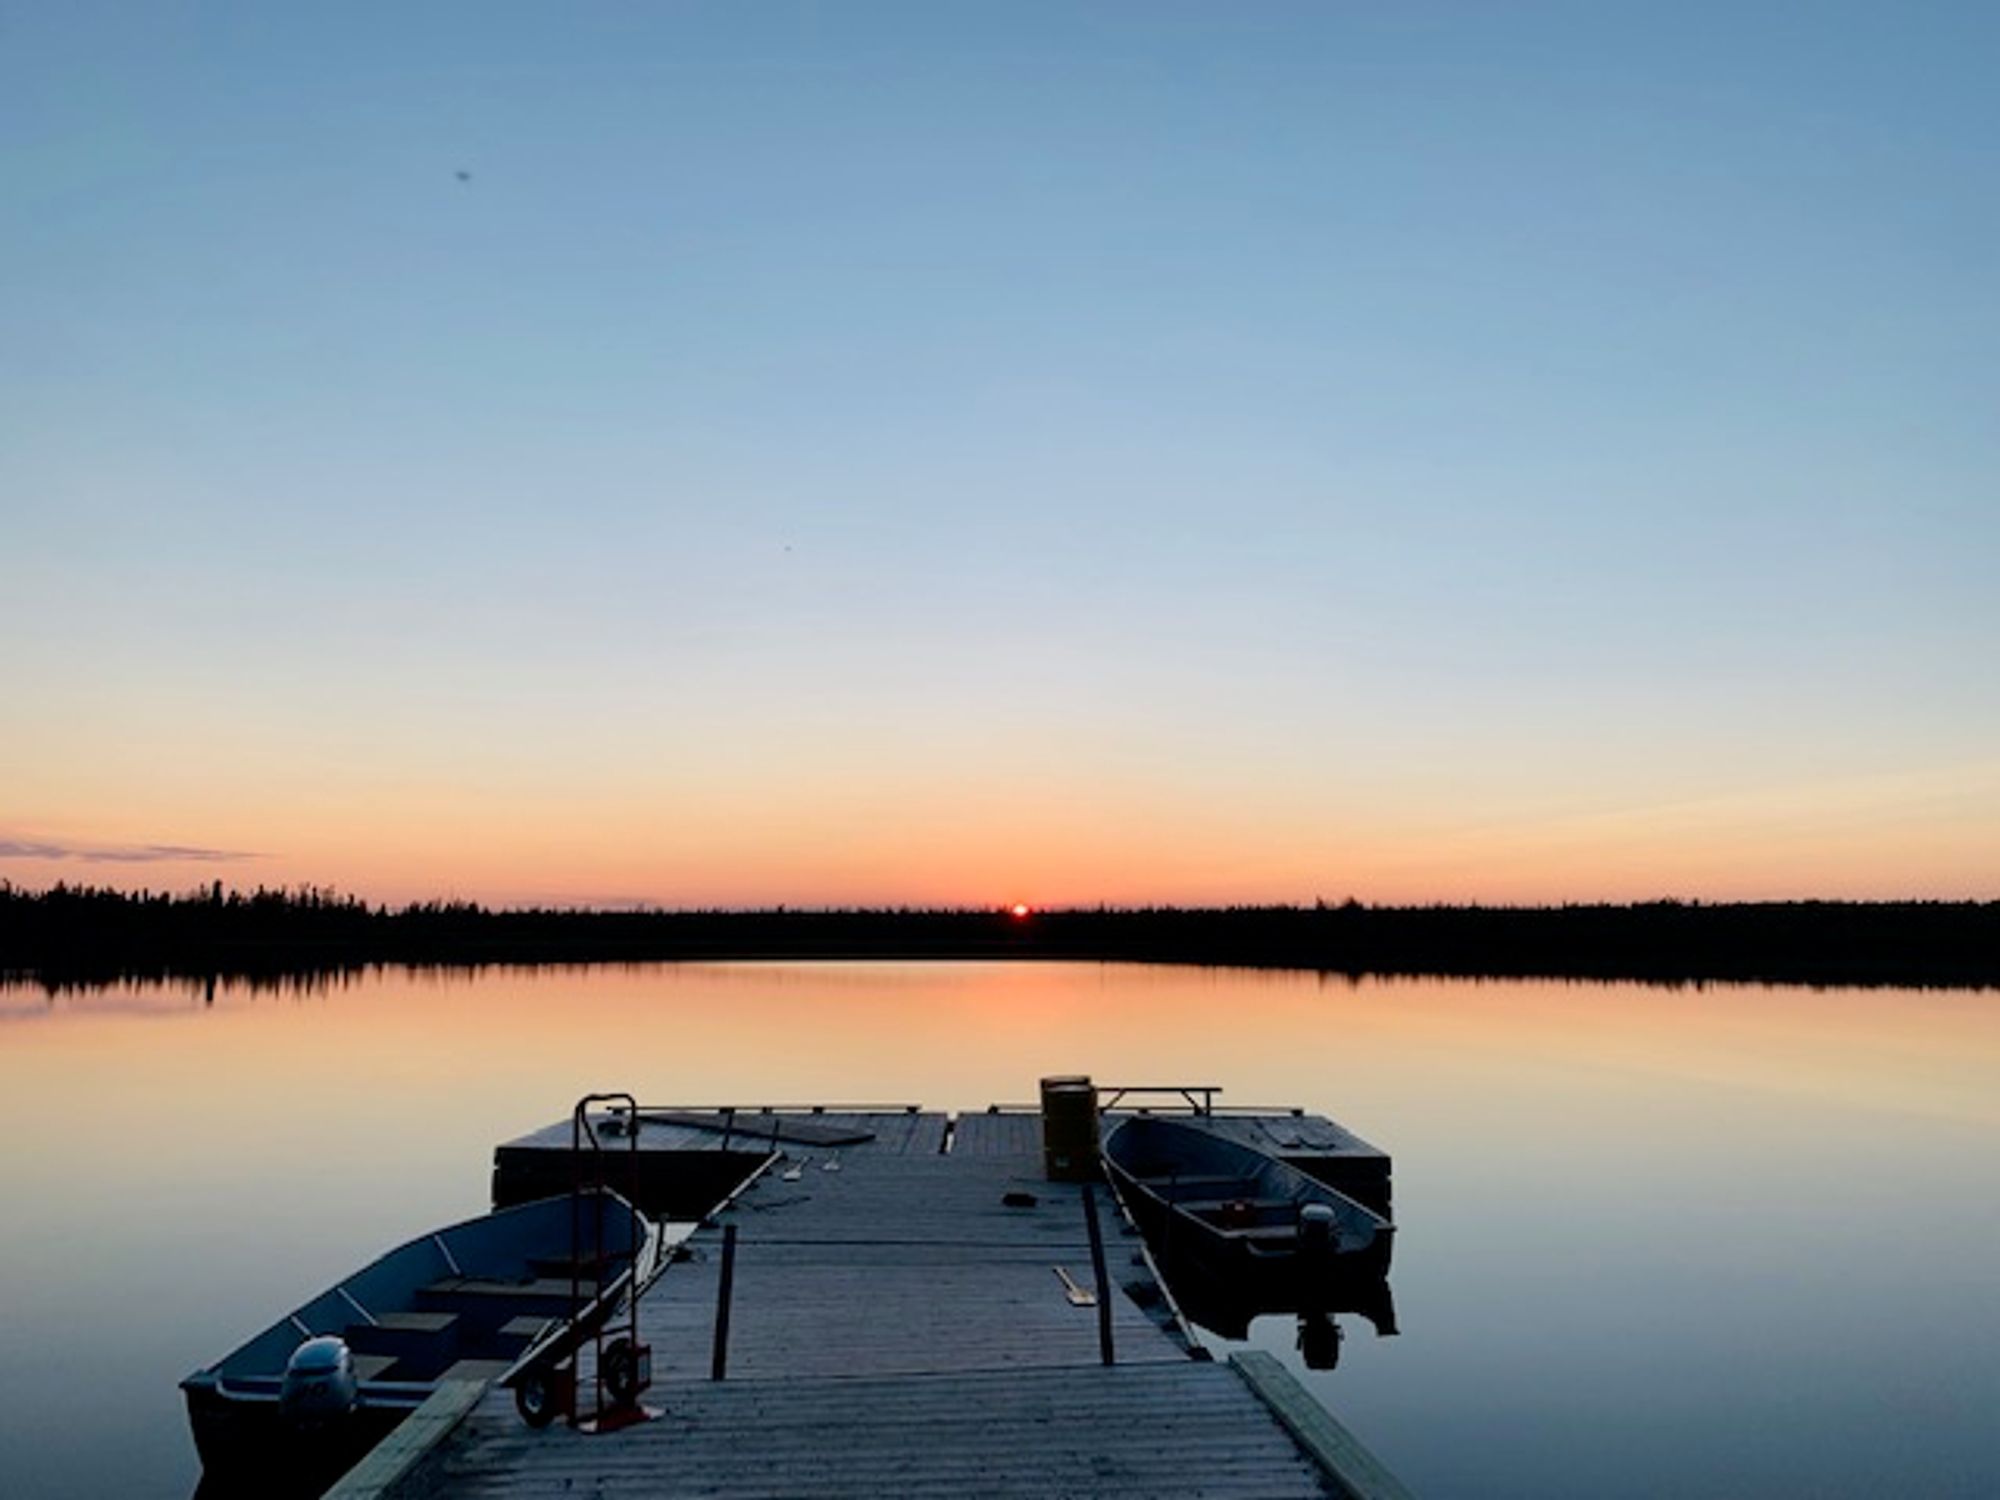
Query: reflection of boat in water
pixel 1226 1308
pixel 1238 1214
pixel 482 1300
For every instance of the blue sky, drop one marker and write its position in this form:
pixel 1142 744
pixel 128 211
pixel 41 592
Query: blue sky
pixel 925 452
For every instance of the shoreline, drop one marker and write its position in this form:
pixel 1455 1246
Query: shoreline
pixel 71 937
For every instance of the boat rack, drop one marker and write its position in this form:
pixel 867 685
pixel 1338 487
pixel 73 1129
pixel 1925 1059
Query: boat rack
pixel 621 1366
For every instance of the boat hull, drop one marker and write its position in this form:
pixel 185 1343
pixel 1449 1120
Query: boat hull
pixel 247 1448
pixel 1227 1215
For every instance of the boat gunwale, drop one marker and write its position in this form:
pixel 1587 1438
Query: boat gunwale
pixel 648 1249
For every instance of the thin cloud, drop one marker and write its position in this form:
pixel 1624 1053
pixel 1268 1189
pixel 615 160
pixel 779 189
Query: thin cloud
pixel 119 854
pixel 23 849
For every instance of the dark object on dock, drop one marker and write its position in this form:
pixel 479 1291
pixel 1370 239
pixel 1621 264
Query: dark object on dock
pixel 483 1300
pixel 1069 1129
pixel 1238 1217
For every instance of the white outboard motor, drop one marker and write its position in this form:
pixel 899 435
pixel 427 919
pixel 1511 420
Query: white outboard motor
pixel 1319 1237
pixel 319 1387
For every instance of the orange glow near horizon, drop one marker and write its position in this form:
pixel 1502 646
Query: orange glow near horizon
pixel 942 840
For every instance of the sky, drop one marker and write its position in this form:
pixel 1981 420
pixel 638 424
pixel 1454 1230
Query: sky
pixel 812 454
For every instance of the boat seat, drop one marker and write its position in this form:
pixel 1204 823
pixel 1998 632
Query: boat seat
pixel 424 1335
pixel 372 1366
pixel 1181 1189
pixel 1254 1205
pixel 473 1286
pixel 417 1322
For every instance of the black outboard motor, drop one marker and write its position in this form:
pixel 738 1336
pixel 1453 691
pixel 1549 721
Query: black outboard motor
pixel 319 1388
pixel 1319 1341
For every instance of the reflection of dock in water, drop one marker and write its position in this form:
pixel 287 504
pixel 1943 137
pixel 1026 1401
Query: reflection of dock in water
pixel 898 1301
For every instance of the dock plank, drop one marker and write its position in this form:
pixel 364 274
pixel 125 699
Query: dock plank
pixel 1183 1429
pixel 1357 1473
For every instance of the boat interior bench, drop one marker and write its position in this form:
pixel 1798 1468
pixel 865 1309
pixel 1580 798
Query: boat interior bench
pixel 1248 1212
pixel 401 1335
pixel 455 1291
pixel 440 1345
pixel 417 1322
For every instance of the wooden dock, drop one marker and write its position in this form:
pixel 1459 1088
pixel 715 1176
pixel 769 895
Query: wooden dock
pixel 912 1313
pixel 687 1159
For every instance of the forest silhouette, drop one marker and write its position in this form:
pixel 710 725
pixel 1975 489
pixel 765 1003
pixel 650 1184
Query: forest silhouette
pixel 69 935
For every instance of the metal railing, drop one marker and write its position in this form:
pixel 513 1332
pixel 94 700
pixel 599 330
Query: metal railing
pixel 1197 1098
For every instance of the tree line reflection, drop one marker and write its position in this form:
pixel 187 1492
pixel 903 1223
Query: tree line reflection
pixel 312 939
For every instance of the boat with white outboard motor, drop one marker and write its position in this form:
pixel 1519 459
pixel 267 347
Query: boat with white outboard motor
pixel 1238 1215
pixel 486 1299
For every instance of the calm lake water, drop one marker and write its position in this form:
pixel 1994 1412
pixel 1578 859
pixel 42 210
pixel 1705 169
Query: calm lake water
pixel 1721 1241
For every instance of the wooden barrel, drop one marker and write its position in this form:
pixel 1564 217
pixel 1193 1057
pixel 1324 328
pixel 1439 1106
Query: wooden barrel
pixel 1069 1129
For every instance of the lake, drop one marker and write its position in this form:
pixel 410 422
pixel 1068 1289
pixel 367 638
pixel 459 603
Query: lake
pixel 1725 1240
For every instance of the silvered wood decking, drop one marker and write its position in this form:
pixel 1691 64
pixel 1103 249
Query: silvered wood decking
pixel 897 1328
pixel 676 1169
pixel 899 1265
pixel 1153 1430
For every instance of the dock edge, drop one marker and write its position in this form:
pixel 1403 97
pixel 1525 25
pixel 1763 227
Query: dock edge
pixel 1355 1471
pixel 383 1474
